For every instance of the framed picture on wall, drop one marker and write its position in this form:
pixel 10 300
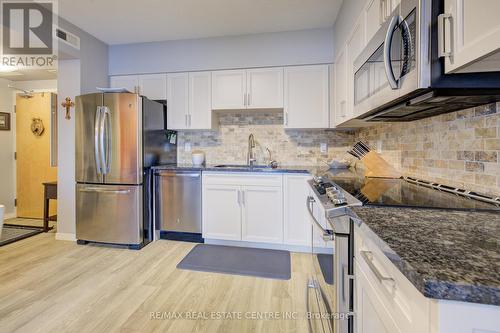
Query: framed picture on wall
pixel 4 121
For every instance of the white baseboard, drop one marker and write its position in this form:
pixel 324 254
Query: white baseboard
pixel 65 236
pixel 10 216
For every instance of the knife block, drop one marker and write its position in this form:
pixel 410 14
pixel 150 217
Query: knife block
pixel 377 167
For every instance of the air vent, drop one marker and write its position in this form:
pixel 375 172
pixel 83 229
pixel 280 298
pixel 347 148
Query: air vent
pixel 68 38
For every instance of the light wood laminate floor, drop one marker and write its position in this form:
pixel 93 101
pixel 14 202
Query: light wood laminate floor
pixel 58 286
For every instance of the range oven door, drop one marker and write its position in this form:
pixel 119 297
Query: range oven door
pixel 386 69
pixel 320 290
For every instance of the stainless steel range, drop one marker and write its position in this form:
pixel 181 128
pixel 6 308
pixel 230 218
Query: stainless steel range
pixel 330 300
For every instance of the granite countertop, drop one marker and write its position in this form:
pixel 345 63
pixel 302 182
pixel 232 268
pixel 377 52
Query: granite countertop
pixel 446 254
pixel 238 168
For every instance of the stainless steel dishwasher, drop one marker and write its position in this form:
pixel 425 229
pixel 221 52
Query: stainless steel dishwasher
pixel 178 204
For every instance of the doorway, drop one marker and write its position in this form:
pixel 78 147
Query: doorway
pixel 35 163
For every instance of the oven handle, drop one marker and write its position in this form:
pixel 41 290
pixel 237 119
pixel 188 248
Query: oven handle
pixel 387 52
pixel 327 234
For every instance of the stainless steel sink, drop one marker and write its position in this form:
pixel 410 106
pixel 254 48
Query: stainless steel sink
pixel 247 167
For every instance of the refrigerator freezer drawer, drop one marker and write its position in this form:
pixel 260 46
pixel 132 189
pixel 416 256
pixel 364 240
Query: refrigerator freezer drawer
pixel 109 214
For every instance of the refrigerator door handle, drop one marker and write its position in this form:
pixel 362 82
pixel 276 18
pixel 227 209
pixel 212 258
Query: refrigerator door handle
pixel 97 122
pixel 105 138
pixel 101 190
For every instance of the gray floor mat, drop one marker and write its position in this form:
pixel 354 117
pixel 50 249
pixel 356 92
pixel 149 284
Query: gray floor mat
pixel 274 264
pixel 12 234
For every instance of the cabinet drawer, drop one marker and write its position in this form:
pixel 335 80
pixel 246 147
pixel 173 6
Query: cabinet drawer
pixel 407 305
pixel 242 179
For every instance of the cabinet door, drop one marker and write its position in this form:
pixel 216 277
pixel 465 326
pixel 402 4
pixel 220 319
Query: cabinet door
pixel 200 100
pixel 340 88
pixel 265 88
pixel 129 82
pixel 474 32
pixel 306 97
pixel 355 46
pixel 229 89
pixel 153 86
pixel 297 226
pixel 177 101
pixel 221 212
pixel 262 214
pixel 373 17
pixel 371 314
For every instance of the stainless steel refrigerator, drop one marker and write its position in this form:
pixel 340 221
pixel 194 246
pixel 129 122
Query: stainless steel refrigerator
pixel 119 136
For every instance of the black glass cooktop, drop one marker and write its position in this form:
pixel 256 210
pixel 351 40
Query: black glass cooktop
pixel 402 193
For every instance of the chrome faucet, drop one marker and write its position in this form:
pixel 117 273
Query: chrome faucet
pixel 250 154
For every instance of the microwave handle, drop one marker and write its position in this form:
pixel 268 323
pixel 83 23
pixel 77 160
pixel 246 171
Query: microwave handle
pixel 387 52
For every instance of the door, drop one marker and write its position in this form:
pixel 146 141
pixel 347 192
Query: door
pixel 306 102
pixel 229 90
pixel 33 166
pixel 470 32
pixel 153 86
pixel 129 82
pixel 200 100
pixel 109 213
pixel 179 201
pixel 177 101
pixel 221 212
pixel 297 226
pixel 121 138
pixel 262 214
pixel 265 88
pixel 87 125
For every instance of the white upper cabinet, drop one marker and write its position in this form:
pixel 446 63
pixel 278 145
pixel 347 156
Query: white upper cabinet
pixel 306 98
pixel 200 101
pixel 373 17
pixel 264 88
pixel 129 82
pixel 355 46
pixel 177 101
pixel 229 89
pixel 260 88
pixel 469 35
pixel 340 85
pixel 189 101
pixel 153 86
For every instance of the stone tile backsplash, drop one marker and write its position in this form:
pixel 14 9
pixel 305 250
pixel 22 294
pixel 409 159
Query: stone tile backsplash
pixel 460 149
pixel 229 144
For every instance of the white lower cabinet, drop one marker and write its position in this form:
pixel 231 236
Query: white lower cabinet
pixel 221 212
pixel 260 208
pixel 262 214
pixel 297 227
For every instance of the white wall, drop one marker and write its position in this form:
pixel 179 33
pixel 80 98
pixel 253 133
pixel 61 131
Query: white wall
pixel 80 72
pixel 349 12
pixel 7 163
pixel 255 50
pixel 68 85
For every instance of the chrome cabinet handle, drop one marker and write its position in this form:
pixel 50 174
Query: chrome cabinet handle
pixel 249 99
pixel 286 118
pixel 368 257
pixel 442 52
pixel 387 52
pixel 343 106
pixel 242 197
pixel 97 123
pixel 189 117
pixel 239 197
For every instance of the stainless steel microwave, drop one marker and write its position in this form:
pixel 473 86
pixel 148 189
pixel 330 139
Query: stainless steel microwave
pixel 399 76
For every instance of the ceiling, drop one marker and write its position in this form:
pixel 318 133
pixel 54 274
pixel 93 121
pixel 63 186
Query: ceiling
pixel 132 21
